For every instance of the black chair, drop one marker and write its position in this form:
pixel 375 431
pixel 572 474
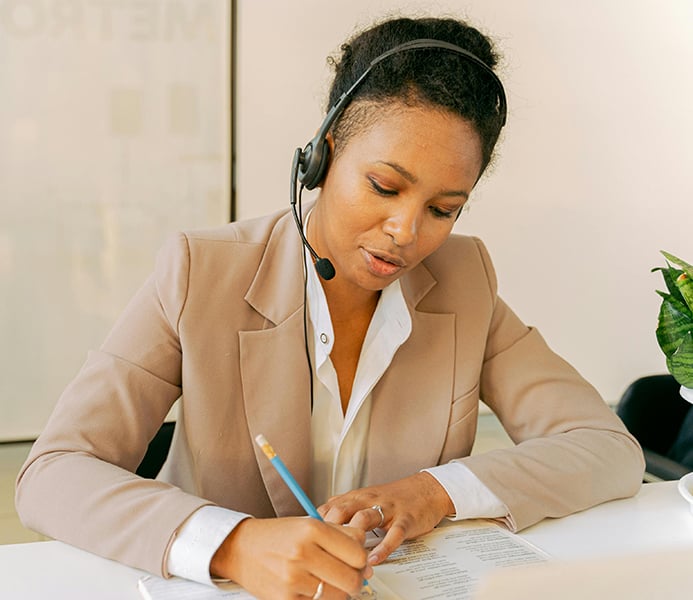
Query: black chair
pixel 157 451
pixel 654 412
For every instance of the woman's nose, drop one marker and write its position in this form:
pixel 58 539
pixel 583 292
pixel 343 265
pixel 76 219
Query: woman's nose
pixel 402 224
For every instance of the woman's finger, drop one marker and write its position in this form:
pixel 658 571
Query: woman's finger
pixel 271 557
pixel 369 518
pixel 341 509
pixel 396 534
pixel 337 513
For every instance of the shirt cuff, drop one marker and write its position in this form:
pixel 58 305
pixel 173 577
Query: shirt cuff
pixel 198 539
pixel 472 499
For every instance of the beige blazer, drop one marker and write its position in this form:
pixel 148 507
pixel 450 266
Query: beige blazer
pixel 219 325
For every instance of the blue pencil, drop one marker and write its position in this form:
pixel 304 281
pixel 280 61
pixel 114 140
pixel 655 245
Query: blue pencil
pixel 308 506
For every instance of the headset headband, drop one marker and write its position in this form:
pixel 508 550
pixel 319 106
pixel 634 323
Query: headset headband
pixel 313 158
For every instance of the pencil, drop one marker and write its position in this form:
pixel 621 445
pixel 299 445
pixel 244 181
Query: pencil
pixel 288 478
pixel 301 496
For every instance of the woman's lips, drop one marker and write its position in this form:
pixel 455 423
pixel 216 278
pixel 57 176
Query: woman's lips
pixel 382 264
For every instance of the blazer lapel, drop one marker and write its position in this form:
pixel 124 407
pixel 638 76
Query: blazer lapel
pixel 274 371
pixel 412 401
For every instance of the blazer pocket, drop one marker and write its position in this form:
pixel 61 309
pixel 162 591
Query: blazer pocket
pixel 465 405
pixel 459 438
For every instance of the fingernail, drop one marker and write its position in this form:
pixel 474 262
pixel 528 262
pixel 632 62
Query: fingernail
pixel 373 559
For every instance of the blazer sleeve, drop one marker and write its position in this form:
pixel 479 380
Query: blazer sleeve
pixel 572 452
pixel 77 484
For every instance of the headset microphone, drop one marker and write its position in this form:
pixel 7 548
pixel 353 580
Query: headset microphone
pixel 323 266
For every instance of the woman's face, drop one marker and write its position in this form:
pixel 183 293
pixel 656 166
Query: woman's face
pixel 391 195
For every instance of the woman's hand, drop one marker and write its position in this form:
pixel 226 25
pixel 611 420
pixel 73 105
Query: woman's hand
pixel 411 507
pixel 289 557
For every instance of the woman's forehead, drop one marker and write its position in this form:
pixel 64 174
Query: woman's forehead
pixel 414 125
pixel 362 115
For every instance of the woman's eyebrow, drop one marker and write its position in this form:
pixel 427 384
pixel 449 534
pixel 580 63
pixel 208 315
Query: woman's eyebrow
pixel 411 178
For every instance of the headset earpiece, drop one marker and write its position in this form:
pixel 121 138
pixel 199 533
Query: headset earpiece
pixel 313 162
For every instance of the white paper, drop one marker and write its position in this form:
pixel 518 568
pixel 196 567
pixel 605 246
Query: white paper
pixel 157 588
pixel 447 563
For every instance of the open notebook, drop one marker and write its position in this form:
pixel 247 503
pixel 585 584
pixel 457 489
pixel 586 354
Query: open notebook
pixel 446 564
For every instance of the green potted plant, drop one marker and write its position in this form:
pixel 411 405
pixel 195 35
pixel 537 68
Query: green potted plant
pixel 675 324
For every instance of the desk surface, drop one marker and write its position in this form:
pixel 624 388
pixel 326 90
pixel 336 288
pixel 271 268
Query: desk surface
pixel 656 519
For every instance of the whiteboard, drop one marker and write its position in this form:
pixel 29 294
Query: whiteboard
pixel 115 133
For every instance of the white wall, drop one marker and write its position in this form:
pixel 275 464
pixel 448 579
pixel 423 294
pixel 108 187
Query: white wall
pixel 593 172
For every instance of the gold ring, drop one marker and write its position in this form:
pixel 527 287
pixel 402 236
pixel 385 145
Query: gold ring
pixel 378 508
pixel 318 593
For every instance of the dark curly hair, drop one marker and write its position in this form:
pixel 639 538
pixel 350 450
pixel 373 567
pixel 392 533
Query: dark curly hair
pixel 423 77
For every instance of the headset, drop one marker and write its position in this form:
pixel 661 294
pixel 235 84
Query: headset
pixel 310 163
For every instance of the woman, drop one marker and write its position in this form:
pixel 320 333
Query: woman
pixel 367 383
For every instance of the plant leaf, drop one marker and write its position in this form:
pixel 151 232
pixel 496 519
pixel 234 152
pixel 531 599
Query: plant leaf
pixel 680 364
pixel 688 268
pixel 675 321
pixel 685 284
pixel 670 275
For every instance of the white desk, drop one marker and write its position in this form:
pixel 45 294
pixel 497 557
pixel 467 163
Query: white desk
pixel 655 520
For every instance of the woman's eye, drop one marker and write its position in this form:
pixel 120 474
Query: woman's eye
pixel 381 190
pixel 443 214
